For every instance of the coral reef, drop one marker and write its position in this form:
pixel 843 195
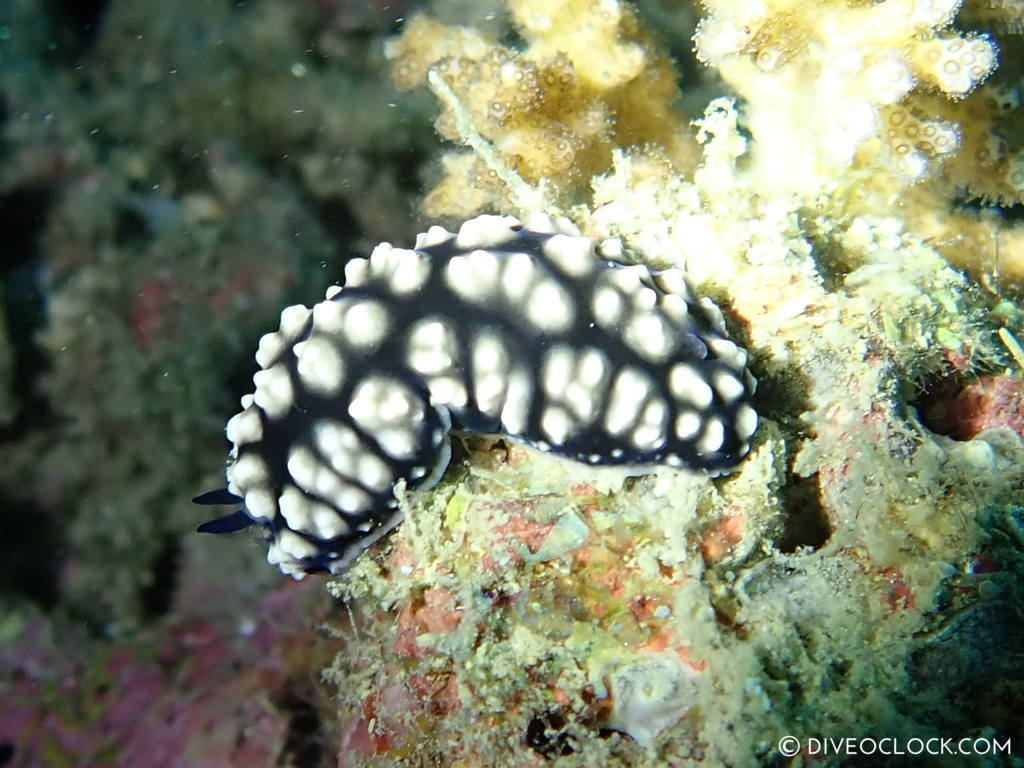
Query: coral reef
pixel 850 121
pixel 530 610
pixel 819 80
pixel 859 107
pixel 590 80
pixel 172 177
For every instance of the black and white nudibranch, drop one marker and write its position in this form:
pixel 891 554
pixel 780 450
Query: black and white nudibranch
pixel 523 330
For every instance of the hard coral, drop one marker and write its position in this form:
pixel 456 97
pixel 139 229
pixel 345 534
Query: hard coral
pixel 589 80
pixel 854 108
pixel 818 78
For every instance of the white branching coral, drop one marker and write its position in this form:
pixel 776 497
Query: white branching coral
pixel 831 85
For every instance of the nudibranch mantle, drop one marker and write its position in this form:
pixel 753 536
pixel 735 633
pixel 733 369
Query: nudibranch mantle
pixel 505 327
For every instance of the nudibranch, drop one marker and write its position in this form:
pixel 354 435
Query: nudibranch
pixel 527 330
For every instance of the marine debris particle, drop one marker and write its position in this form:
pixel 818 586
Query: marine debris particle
pixel 505 327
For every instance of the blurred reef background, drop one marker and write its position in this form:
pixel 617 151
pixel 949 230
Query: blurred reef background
pixel 845 179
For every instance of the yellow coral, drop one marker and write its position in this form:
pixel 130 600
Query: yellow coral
pixel 823 80
pixel 983 164
pixel 852 108
pixel 588 82
pixel 914 139
pixel 467 186
pixel 601 38
pixel 858 108
pixel 954 64
pixel 424 41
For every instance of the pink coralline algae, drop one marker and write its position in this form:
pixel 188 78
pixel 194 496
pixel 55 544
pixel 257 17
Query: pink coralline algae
pixel 190 696
pixel 986 403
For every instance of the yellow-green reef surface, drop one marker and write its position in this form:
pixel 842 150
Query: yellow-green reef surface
pixel 844 178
